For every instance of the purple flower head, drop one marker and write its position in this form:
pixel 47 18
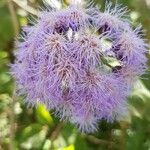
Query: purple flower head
pixel 131 48
pixel 63 61
pixel 112 19
pixel 88 50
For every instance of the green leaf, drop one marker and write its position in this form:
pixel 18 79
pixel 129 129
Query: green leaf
pixel 43 116
pixel 34 136
pixel 6 27
pixel 29 131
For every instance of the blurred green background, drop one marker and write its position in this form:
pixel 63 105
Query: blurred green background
pixel 23 128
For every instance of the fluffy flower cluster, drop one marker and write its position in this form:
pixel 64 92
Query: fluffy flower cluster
pixel 66 61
